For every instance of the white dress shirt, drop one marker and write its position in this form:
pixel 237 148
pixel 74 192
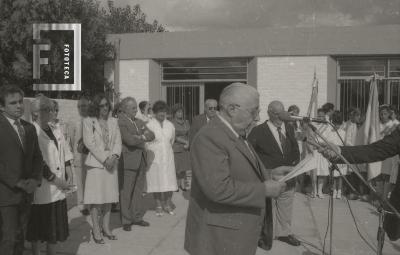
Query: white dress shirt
pixel 274 131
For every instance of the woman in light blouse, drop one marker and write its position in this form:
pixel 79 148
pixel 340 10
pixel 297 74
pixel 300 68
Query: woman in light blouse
pixel 48 220
pixel 102 137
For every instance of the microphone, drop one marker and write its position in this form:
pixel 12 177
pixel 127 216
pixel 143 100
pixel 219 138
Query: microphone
pixel 285 116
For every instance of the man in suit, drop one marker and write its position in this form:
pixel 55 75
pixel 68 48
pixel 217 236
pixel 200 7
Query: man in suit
pixel 229 188
pixel 21 165
pixel 385 148
pixel 134 134
pixel 210 111
pixel 276 145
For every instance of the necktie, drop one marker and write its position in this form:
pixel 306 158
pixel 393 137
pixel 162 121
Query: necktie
pixel 21 132
pixel 282 139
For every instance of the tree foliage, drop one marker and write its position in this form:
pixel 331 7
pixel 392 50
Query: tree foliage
pixel 16 42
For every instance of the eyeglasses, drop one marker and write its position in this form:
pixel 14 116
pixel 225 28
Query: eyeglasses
pixel 254 113
pixel 103 105
pixel 212 108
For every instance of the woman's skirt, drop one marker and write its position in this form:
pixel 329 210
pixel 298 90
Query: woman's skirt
pixel 182 163
pixel 48 222
pixel 101 186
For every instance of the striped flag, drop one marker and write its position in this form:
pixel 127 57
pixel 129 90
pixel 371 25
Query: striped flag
pixel 370 130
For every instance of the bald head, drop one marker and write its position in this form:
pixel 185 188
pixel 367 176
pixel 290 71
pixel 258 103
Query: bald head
pixel 238 93
pixel 274 109
pixel 239 105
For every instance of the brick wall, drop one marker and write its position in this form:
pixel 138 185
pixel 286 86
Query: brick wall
pixel 134 79
pixel 289 79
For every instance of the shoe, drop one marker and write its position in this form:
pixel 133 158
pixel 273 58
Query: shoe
pixel 320 195
pixel 290 239
pixel 141 223
pixel 85 212
pixel 98 241
pixel 110 237
pixel 159 211
pixel 169 210
pixel 127 227
pixel 339 194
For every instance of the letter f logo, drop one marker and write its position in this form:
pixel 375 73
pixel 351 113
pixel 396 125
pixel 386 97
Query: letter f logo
pixel 37 60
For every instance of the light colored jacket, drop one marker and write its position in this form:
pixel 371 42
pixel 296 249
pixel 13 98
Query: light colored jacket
pixel 55 158
pixel 92 138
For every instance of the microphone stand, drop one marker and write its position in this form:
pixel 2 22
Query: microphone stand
pixel 383 202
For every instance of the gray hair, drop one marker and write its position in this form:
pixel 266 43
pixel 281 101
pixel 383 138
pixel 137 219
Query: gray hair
pixel 40 102
pixel 233 94
pixel 124 102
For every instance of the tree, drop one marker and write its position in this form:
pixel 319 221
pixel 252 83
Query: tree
pixel 129 20
pixel 16 42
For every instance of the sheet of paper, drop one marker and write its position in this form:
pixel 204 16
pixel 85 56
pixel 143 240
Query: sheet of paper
pixel 307 164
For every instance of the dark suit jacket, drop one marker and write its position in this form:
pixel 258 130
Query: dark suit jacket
pixel 17 164
pixel 227 203
pixel 132 145
pixel 268 149
pixel 388 147
pixel 198 122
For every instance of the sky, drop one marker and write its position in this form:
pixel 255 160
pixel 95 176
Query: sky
pixel 186 15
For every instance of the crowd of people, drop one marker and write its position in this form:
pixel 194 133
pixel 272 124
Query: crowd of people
pixel 110 155
pixel 115 155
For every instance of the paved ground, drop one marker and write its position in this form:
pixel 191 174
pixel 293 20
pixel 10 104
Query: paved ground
pixel 165 235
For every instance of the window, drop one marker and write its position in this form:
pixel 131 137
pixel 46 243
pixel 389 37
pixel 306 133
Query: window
pixel 353 82
pixel 215 70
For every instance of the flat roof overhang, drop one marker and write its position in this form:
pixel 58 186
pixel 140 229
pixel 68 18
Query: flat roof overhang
pixel 321 41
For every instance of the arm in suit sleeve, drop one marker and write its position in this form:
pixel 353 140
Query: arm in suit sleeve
pixel 128 138
pixel 117 146
pixel 387 147
pixel 210 164
pixel 37 159
pixel 89 141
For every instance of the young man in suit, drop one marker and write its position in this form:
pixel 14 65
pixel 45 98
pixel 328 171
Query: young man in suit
pixel 230 191
pixel 210 111
pixel 21 165
pixel 134 134
pixel 276 145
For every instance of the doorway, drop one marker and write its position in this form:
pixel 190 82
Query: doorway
pixel 212 90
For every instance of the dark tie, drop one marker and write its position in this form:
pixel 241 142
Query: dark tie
pixel 21 132
pixel 282 139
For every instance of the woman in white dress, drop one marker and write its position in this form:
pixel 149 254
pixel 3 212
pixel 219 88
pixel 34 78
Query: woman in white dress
pixel 102 137
pixel 161 177
pixel 322 170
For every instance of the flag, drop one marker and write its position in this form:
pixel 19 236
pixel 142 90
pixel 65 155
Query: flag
pixel 370 130
pixel 312 107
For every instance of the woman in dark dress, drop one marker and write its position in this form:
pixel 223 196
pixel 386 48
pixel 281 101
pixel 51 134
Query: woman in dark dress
pixel 181 146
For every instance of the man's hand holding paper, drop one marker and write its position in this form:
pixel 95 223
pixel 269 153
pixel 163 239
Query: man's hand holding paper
pixel 279 172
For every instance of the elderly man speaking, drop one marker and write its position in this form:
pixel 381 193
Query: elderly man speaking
pixel 229 186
